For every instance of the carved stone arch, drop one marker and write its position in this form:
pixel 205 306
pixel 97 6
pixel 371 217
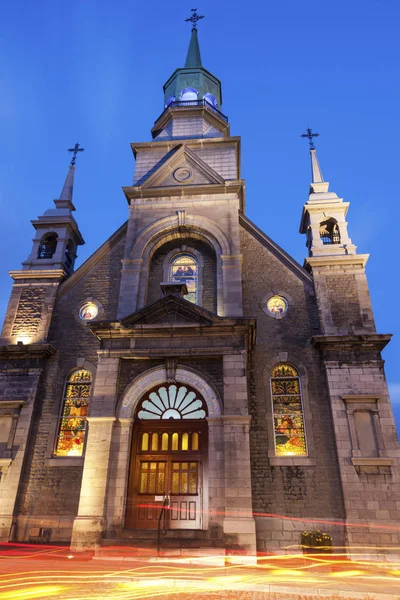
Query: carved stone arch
pixel 169 228
pixel 190 222
pixel 158 376
pixel 289 358
pixel 177 235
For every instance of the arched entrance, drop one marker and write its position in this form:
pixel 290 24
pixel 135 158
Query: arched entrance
pixel 168 458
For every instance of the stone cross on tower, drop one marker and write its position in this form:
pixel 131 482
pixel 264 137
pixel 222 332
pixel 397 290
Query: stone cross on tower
pixel 194 18
pixel 310 135
pixel 75 151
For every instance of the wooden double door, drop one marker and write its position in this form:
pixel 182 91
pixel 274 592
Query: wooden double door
pixel 168 460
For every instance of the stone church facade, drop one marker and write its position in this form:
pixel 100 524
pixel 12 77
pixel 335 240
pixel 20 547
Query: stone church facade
pixel 191 360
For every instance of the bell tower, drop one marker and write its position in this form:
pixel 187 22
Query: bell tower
pixel 51 260
pixel 351 352
pixel 339 272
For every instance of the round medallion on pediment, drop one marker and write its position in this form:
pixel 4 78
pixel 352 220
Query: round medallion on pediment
pixel 182 174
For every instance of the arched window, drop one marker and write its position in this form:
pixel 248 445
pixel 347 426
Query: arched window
pixel 184 268
pixel 172 402
pixel 48 245
pixel 329 232
pixel 287 411
pixel 69 254
pixel 73 423
pixel 211 100
pixel 189 94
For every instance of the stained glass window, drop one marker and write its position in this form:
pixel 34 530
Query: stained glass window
pixel 184 269
pixel 73 424
pixel 88 311
pixel 288 411
pixel 172 402
pixel 277 305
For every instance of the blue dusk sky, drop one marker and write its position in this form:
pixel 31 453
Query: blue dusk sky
pixel 92 72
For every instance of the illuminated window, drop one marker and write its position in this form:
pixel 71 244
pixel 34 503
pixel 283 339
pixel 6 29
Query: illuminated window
pixel 184 268
pixel 73 424
pixel 172 402
pixel 277 305
pixel 288 411
pixel 88 311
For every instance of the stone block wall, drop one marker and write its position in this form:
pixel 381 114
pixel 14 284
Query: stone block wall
pixel 307 490
pixel 50 486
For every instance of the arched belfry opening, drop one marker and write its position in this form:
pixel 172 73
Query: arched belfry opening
pixel 168 458
pixel 329 231
pixel 48 245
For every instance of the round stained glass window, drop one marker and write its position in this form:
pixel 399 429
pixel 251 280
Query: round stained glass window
pixel 277 305
pixel 89 311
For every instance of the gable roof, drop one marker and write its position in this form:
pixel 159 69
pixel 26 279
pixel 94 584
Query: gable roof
pixel 276 250
pixel 171 309
pixel 92 261
pixel 182 156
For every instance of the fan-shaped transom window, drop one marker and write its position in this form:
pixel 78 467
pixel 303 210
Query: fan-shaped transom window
pixel 288 411
pixel 72 426
pixel 184 268
pixel 172 402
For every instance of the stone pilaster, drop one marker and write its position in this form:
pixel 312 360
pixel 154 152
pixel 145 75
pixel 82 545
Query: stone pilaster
pixel 21 384
pixel 239 524
pixel 367 447
pixel 118 476
pixel 90 522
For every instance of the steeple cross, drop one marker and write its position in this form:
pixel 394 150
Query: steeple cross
pixel 194 18
pixel 310 135
pixel 75 151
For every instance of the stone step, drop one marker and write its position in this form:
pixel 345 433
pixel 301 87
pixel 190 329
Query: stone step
pixel 120 552
pixel 151 543
pixel 149 534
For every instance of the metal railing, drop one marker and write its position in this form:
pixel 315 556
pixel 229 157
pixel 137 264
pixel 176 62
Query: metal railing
pixel 330 238
pixel 201 102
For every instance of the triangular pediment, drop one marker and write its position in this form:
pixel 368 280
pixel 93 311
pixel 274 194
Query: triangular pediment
pixel 170 310
pixel 183 168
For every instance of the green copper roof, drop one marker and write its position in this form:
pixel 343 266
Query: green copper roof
pixel 193 75
pixel 193 58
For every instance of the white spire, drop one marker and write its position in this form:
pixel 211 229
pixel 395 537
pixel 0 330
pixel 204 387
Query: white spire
pixel 318 184
pixel 68 189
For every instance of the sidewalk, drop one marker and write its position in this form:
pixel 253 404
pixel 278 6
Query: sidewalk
pixel 34 572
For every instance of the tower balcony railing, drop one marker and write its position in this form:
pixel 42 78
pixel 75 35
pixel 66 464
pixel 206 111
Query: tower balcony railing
pixel 201 102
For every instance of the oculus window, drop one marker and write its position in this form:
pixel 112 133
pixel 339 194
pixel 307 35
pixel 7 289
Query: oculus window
pixel 277 305
pixel 88 311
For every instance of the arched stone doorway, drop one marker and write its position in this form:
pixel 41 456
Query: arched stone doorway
pixel 168 459
pixel 207 424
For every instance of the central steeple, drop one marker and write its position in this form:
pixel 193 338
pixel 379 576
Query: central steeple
pixel 193 58
pixel 193 83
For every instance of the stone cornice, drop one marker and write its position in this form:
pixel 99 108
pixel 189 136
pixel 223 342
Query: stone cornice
pixel 191 111
pixel 342 260
pixel 367 341
pixel 228 327
pixel 231 186
pixel 21 351
pixel 168 144
pixel 38 274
